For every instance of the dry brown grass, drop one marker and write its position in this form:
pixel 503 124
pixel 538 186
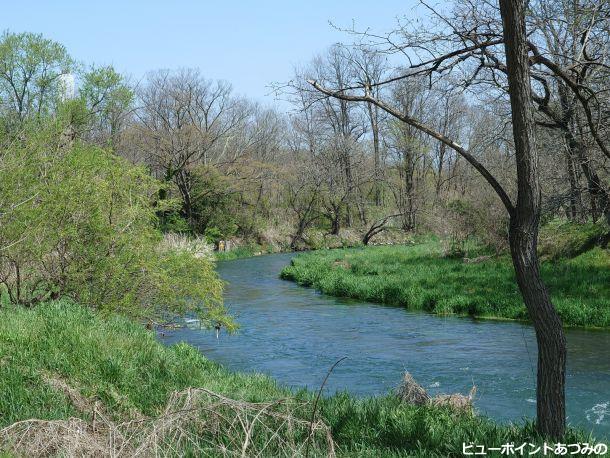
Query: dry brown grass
pixel 411 392
pixel 197 246
pixel 195 421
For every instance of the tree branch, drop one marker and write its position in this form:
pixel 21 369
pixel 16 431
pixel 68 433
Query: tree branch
pixel 428 130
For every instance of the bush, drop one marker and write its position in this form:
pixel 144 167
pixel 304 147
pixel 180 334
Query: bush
pixel 173 222
pixel 465 220
pixel 213 212
pixel 80 222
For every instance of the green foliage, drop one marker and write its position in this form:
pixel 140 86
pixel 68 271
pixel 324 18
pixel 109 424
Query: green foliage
pixel 73 114
pixel 566 239
pixel 421 277
pixel 127 369
pixel 30 70
pixel 213 206
pixel 173 221
pixel 107 98
pixel 79 222
pixel 213 234
pixel 105 90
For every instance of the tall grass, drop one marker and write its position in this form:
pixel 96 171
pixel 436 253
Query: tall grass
pixel 122 365
pixel 194 245
pixel 420 277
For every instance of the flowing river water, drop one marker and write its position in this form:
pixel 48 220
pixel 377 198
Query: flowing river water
pixel 295 334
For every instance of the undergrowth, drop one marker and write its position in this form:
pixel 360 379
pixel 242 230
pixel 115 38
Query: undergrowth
pixel 122 365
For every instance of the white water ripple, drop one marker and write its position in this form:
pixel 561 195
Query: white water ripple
pixel 598 412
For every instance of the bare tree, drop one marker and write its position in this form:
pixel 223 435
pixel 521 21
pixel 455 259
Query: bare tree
pixel 407 145
pixel 371 68
pixel 525 212
pixel 342 126
pixel 185 121
pixel 303 181
pixel 571 35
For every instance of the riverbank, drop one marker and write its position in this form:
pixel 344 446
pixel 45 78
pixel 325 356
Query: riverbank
pixel 420 277
pixel 313 240
pixel 62 361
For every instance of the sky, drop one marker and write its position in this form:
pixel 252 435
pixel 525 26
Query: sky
pixel 248 43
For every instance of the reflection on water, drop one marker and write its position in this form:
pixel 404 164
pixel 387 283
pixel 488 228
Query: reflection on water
pixel 295 334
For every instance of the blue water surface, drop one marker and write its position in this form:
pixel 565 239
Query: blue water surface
pixel 295 334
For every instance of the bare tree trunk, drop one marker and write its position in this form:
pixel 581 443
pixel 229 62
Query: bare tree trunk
pixel 409 209
pixel 373 115
pixel 182 180
pixel 550 389
pixel 335 225
pixel 598 195
pixel 523 233
pixel 575 200
pixel 439 171
pixel 349 181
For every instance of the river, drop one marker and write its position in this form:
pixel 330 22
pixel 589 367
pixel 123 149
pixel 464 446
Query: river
pixel 295 334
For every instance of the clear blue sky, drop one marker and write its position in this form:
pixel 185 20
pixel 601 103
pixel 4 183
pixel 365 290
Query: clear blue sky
pixel 248 43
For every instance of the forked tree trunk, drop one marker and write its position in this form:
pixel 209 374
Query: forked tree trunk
pixel 523 234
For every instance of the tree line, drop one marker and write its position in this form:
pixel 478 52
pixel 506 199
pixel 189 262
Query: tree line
pixel 239 169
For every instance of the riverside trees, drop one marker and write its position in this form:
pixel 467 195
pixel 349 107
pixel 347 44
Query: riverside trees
pixel 78 221
pixel 489 47
pixel 227 162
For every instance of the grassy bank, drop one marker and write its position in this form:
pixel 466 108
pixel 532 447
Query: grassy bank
pixel 313 240
pixel 131 375
pixel 419 277
pixel 245 251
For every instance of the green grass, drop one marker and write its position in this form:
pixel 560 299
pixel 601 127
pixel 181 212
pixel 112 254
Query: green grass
pixel 420 278
pixel 566 239
pixel 126 368
pixel 245 251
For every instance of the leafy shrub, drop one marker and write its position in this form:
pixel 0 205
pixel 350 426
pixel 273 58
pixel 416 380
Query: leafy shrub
pixel 213 234
pixel 79 222
pixel 173 222
pixel 214 204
